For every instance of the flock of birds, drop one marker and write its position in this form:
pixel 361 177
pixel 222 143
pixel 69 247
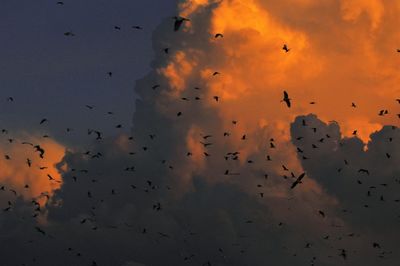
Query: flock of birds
pixel 205 142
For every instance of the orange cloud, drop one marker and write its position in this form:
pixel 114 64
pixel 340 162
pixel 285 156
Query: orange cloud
pixel 31 181
pixel 341 52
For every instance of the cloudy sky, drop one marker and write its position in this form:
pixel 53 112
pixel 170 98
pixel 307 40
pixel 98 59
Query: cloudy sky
pixel 126 140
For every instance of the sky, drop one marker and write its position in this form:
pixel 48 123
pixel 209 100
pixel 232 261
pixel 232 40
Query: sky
pixel 54 77
pixel 162 146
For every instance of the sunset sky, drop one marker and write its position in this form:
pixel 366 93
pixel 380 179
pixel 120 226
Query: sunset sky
pixel 155 132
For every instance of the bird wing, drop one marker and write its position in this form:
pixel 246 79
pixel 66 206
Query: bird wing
pixel 285 95
pixel 301 176
pixel 178 24
pixel 287 101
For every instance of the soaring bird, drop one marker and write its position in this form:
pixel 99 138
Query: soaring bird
pixel 363 171
pixel 286 99
pixel 219 35
pixel 69 34
pixel 298 180
pixel 285 48
pixel 178 22
pixel 40 150
pixel 40 230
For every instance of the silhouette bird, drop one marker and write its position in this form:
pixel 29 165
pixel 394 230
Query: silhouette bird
pixel 69 34
pixel 286 99
pixel 365 171
pixel 178 22
pixel 40 150
pixel 298 181
pixel 285 48
pixel 38 229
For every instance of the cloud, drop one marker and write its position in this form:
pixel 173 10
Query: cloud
pixel 341 52
pixel 25 172
pixel 205 175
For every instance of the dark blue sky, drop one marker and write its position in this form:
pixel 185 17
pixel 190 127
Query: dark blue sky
pixel 54 76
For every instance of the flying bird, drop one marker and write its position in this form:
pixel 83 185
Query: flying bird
pixel 286 99
pixel 178 22
pixel 285 48
pixel 40 150
pixel 298 181
pixel 69 34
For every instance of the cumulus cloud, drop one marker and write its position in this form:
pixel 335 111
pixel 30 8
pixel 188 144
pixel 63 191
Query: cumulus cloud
pixel 204 178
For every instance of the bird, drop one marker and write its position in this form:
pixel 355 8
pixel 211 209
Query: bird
pixel 69 34
pixel 178 22
pixel 40 150
pixel 286 99
pixel 136 27
pixel 43 121
pixel 219 35
pixel 343 253
pixel 376 245
pixel 298 181
pixel 363 171
pixel 285 48
pixel 38 229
